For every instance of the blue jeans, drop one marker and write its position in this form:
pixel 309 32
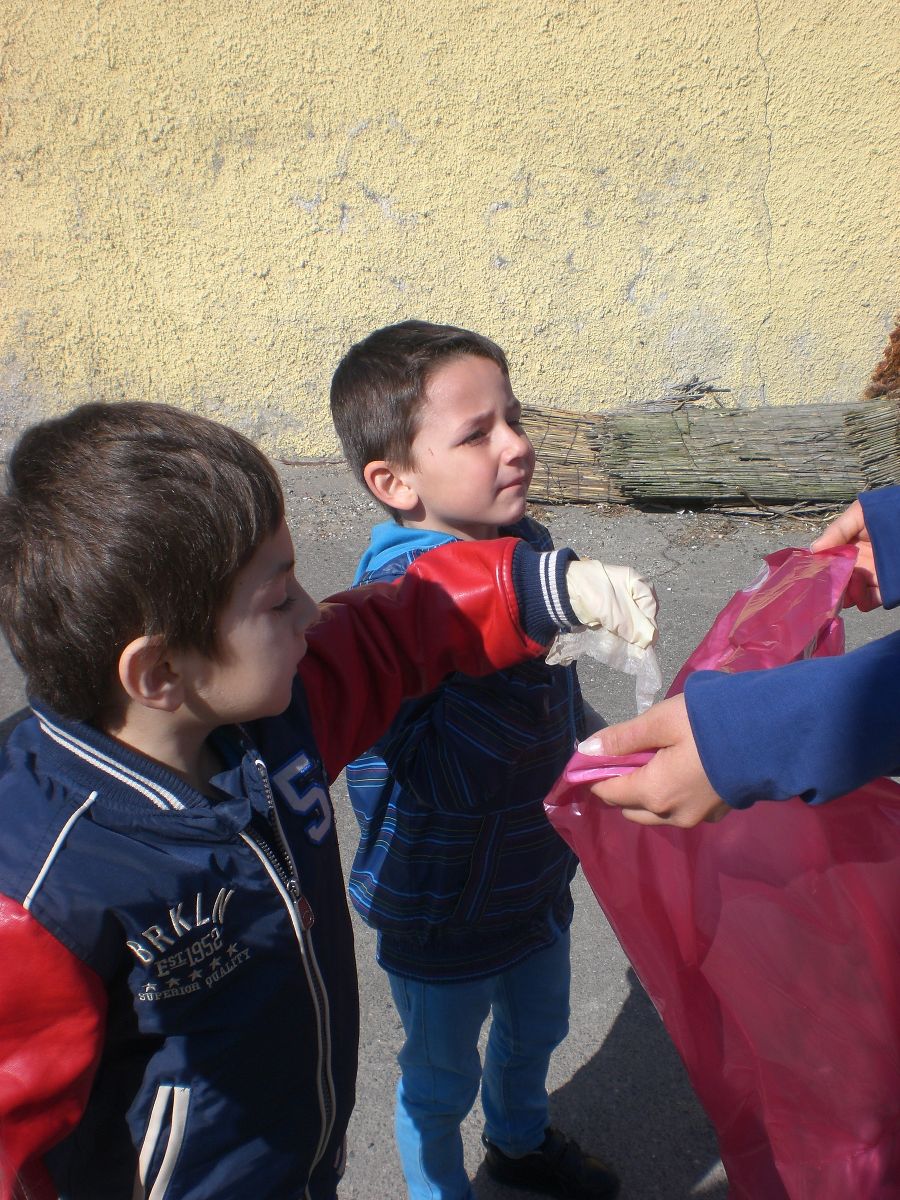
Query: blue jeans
pixel 441 1069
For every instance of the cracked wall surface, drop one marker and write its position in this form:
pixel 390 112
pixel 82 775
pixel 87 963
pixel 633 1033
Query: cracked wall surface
pixel 206 204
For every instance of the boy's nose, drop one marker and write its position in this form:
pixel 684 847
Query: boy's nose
pixel 306 613
pixel 518 444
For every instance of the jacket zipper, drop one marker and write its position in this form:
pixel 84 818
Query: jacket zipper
pixel 286 871
pixel 289 876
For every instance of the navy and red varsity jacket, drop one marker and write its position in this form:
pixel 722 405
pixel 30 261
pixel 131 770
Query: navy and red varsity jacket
pixel 178 997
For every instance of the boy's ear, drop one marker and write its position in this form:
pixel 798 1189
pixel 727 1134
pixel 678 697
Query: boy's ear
pixel 389 486
pixel 149 674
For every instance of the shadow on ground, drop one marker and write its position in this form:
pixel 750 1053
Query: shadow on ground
pixel 633 1105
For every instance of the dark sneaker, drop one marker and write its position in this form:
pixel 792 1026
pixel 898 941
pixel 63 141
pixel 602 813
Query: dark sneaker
pixel 559 1167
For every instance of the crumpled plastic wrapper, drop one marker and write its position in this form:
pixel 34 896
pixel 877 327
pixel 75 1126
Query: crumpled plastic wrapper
pixel 614 652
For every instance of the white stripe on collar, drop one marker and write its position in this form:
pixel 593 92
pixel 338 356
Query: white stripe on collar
pixel 158 795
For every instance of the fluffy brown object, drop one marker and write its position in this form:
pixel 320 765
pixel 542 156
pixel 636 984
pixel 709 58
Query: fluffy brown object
pixel 886 376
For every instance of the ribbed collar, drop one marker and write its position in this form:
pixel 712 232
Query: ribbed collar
pixel 135 791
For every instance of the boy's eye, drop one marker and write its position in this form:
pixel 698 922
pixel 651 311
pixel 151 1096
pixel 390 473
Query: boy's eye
pixel 475 436
pixel 287 602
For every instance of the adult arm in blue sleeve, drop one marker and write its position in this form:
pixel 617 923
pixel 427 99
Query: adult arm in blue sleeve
pixel 818 728
pixel 882 518
pixel 815 729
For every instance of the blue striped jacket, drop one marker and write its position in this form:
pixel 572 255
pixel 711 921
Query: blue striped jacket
pixel 457 867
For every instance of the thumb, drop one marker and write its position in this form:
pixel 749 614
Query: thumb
pixel 617 740
pixel 652 730
pixel 644 595
pixel 844 529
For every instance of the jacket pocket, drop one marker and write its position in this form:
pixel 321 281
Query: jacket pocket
pixel 162 1142
pixel 485 858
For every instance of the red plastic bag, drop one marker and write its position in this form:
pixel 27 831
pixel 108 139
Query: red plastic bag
pixel 769 943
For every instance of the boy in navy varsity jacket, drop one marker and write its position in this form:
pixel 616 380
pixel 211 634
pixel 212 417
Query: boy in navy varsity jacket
pixel 178 1002
pixel 458 868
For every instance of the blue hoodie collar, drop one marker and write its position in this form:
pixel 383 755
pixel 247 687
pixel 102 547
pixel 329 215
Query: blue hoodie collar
pixel 389 540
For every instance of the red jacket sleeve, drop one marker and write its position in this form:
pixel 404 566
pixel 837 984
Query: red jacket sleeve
pixel 52 1016
pixel 455 609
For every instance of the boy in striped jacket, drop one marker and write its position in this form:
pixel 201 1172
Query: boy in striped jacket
pixel 457 868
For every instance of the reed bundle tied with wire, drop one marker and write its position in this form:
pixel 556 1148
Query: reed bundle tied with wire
pixel 691 446
pixel 818 452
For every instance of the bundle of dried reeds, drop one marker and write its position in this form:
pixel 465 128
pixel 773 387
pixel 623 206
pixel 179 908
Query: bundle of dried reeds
pixel 818 452
pixel 567 469
pixel 873 433
pixel 680 448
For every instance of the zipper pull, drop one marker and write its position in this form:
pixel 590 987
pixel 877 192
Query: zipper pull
pixel 304 908
pixel 307 916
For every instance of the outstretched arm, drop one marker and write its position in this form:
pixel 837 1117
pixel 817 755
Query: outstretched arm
pixel 815 729
pixel 472 607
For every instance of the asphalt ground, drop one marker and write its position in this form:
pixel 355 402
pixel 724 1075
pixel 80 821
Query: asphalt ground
pixel 617 1084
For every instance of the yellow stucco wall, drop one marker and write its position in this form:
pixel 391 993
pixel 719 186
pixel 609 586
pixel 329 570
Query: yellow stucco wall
pixel 206 202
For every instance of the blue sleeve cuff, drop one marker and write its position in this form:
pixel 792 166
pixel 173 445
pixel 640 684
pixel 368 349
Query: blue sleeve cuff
pixel 539 578
pixel 815 729
pixel 882 512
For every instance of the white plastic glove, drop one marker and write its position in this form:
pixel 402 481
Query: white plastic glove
pixel 616 598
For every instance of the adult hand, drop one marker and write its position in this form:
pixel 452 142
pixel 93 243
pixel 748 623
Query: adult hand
pixel 672 789
pixel 849 529
pixel 616 598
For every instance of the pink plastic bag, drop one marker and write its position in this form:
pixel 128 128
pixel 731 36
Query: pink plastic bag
pixel 769 943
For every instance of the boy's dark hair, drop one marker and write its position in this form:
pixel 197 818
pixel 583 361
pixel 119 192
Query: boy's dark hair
pixel 119 521
pixel 379 387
